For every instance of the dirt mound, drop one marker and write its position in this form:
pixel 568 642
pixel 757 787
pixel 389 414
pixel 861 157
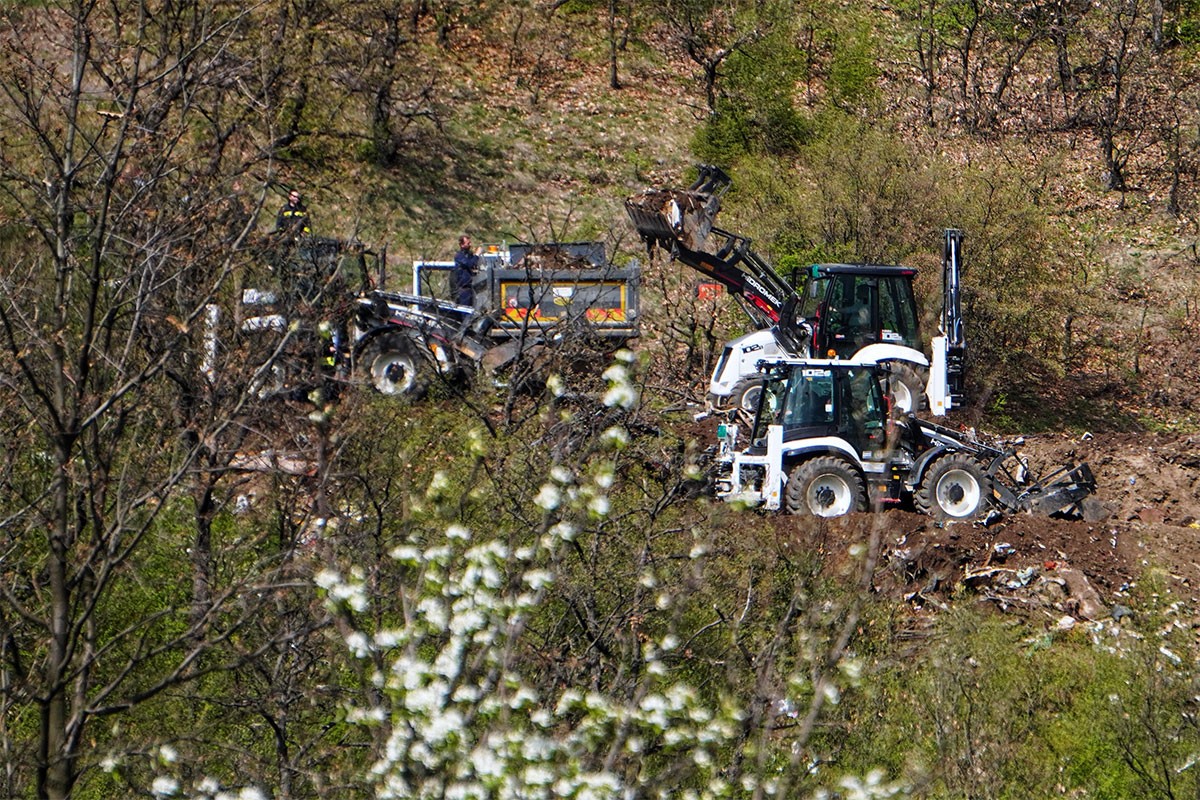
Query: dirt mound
pixel 1053 570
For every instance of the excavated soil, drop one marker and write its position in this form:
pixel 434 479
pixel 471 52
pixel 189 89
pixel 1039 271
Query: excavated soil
pixel 1056 571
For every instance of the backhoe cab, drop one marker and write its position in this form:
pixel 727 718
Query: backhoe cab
pixel 825 442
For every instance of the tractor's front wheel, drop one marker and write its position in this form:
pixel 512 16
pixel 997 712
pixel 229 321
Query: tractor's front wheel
pixel 955 487
pixel 393 364
pixel 824 486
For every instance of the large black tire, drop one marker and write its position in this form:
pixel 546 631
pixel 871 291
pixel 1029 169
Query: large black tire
pixel 394 365
pixel 907 388
pixel 825 486
pixel 746 394
pixel 955 487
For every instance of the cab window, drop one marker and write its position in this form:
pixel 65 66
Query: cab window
pixel 897 312
pixel 809 401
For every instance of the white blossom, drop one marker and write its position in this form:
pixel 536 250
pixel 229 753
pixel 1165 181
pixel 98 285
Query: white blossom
pixel 549 498
pixel 621 395
pixel 599 506
pixel 164 786
pixel 615 437
pixel 565 531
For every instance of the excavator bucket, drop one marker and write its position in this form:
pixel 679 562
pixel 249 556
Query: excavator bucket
pixel 669 216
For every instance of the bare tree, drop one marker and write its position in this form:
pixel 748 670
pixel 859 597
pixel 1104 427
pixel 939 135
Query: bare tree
pixel 710 31
pixel 1113 96
pixel 124 167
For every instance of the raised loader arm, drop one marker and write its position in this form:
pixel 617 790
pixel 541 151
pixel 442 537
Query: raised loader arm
pixel 681 222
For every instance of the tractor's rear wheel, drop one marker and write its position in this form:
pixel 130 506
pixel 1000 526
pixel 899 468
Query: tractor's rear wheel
pixel 824 486
pixel 906 386
pixel 955 487
pixel 393 364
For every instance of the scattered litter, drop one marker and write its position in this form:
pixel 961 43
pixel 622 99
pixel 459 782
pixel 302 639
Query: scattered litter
pixel 1174 659
pixel 1022 578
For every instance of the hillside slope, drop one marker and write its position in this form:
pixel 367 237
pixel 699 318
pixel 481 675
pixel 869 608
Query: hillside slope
pixel 570 149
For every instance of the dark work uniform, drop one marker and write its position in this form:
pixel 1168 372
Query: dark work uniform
pixel 292 220
pixel 466 264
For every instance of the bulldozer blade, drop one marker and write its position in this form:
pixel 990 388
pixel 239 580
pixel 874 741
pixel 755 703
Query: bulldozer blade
pixel 1062 492
pixel 667 217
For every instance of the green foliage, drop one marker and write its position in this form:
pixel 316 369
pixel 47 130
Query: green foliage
pixel 1187 22
pixel 858 192
pixel 855 192
pixel 852 69
pixel 990 708
pixel 756 112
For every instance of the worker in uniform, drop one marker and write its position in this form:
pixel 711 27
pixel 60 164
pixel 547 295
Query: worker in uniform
pixel 292 219
pixel 462 275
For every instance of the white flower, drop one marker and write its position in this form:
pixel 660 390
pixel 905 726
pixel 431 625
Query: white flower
pixel 615 437
pixel 406 554
pixel 167 754
pixel 616 374
pixel 599 506
pixel 604 477
pixel 565 531
pixel 458 532
pixel 549 498
pixel 358 644
pixel 164 786
pixel 539 578
pixel 621 395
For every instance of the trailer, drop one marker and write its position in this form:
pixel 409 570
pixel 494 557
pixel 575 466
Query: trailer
pixel 330 315
pixel 528 295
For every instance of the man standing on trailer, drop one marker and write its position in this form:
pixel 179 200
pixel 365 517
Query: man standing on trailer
pixel 462 276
